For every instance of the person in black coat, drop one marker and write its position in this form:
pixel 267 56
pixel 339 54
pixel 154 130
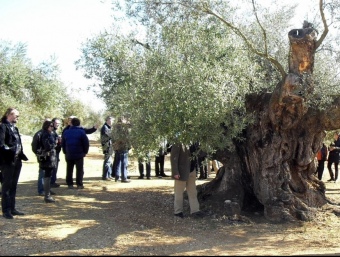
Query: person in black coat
pixel 11 156
pixel 334 157
pixel 48 159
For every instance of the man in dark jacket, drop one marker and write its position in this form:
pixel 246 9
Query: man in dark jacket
pixel 334 157
pixel 75 145
pixel 11 156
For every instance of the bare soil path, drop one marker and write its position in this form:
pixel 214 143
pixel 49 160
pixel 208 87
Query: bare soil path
pixel 136 219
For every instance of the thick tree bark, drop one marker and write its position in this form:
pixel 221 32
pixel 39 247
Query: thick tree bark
pixel 276 163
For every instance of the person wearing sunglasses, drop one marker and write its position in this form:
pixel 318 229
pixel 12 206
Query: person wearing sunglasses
pixel 48 160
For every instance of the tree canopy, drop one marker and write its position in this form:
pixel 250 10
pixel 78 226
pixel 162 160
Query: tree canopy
pixel 187 78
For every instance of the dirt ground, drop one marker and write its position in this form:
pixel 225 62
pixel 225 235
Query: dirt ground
pixel 113 218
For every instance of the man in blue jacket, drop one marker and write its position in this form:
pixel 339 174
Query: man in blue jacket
pixel 75 145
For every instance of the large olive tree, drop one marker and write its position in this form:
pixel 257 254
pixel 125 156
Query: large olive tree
pixel 240 84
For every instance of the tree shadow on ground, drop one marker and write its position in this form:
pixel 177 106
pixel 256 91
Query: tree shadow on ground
pixel 109 219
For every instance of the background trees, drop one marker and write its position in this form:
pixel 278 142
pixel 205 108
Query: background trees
pixel 36 91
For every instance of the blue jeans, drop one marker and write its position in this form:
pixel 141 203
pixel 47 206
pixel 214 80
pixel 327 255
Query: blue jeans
pixel 41 181
pixel 121 163
pixel 107 166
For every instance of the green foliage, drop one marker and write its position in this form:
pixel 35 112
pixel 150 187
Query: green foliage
pixel 188 78
pixel 36 92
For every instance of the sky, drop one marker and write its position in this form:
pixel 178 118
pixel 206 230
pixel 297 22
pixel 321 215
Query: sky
pixel 56 28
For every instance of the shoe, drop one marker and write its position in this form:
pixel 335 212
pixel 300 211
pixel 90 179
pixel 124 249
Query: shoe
pixel 55 185
pixel 180 215
pixel 15 212
pixel 80 187
pixel 164 175
pixel 141 177
pixel 148 178
pixel 201 178
pixel 108 179
pixel 198 214
pixel 160 177
pixel 70 187
pixel 126 181
pixel 7 215
pixel 49 199
pixel 117 179
pixel 52 193
pixel 128 177
pixel 332 179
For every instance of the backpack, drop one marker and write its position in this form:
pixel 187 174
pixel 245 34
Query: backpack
pixel 36 143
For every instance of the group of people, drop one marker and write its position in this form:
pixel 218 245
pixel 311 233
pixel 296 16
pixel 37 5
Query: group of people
pixel 115 142
pixel 332 156
pixel 74 143
pixel 47 145
pixel 163 150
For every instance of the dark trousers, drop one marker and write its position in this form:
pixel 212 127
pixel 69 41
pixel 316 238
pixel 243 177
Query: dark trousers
pixel 147 167
pixel 10 178
pixel 159 165
pixel 320 168
pixel 54 172
pixel 203 168
pixel 48 172
pixel 79 171
pixel 331 174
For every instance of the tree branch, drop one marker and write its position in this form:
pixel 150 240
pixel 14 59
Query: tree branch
pixel 265 55
pixel 147 46
pixel 263 30
pixel 325 32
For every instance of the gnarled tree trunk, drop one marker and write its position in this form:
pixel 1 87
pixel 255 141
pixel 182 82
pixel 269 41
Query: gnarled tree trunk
pixel 275 164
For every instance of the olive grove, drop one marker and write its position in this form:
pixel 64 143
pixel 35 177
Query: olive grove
pixel 35 90
pixel 258 97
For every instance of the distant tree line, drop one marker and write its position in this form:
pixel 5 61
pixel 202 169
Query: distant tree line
pixel 36 91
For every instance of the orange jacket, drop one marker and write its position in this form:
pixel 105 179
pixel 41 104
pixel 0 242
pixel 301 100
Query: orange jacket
pixel 322 153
